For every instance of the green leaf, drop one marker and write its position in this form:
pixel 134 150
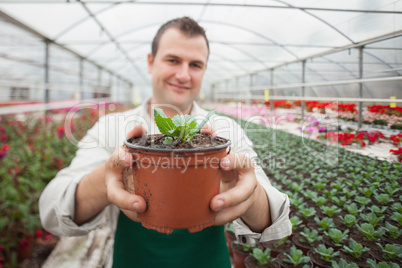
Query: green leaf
pixel 203 122
pixel 168 140
pixel 164 124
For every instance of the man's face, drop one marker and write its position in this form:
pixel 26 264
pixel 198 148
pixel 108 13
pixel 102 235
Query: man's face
pixel 178 68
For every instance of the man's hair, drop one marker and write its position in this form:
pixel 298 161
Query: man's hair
pixel 185 25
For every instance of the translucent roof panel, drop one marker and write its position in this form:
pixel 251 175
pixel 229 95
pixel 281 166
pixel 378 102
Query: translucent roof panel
pixel 247 37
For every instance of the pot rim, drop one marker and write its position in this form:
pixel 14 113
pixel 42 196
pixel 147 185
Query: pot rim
pixel 217 147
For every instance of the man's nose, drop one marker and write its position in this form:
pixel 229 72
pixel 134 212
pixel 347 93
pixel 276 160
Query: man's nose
pixel 182 73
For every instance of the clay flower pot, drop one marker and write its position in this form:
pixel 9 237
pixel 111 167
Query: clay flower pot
pixel 177 185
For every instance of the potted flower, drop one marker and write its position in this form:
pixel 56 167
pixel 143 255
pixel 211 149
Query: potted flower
pixel 260 259
pixel 177 173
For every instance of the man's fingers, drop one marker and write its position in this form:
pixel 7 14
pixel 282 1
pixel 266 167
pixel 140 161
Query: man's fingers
pixel 230 214
pixel 234 196
pixel 239 162
pixel 207 129
pixel 120 160
pixel 137 131
pixel 118 196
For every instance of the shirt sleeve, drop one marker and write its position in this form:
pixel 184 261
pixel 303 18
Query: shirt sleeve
pixel 279 203
pixel 57 201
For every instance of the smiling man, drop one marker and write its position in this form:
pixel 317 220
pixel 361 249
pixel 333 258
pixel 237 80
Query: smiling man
pixel 177 65
pixel 90 191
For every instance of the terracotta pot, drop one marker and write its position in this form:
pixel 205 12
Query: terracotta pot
pixel 230 237
pixel 239 255
pixel 177 185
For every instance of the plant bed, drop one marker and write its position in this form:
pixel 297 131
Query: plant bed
pixel 354 184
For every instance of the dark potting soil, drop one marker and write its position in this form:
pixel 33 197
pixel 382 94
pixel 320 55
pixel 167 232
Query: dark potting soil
pixel 251 262
pixel 198 141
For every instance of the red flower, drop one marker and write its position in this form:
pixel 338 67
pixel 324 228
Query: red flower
pixel 38 233
pixel 4 138
pixel 60 131
pixel 6 147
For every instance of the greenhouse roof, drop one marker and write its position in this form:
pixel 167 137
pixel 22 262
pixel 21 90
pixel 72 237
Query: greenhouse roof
pixel 246 36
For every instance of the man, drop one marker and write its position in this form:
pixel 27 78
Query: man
pixel 91 191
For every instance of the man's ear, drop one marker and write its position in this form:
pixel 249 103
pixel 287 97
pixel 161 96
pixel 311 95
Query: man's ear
pixel 150 62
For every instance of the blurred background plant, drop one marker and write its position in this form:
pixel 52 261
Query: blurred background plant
pixel 33 149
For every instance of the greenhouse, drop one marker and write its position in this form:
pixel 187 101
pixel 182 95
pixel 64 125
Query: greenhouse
pixel 308 93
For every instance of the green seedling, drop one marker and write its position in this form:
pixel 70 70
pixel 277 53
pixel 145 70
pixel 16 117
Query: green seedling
pixel 182 127
pixel 295 257
pixel 263 257
pixel 326 253
pixel 355 249
pixel 391 251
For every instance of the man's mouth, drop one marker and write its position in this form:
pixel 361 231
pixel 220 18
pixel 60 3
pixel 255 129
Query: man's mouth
pixel 179 87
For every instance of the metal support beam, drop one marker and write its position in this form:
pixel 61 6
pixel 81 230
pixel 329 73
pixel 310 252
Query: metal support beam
pixel 46 95
pixel 303 92
pixel 271 91
pixel 360 85
pixel 81 82
pixel 251 83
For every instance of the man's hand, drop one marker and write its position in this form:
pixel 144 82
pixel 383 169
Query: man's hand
pixel 121 159
pixel 104 186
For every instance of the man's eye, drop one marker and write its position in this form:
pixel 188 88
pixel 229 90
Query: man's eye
pixel 172 60
pixel 196 66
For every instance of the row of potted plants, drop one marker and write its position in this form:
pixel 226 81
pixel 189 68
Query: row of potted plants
pixel 346 208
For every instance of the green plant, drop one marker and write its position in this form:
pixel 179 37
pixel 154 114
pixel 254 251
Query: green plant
pixel 296 257
pixel 397 207
pixel 349 220
pixel 339 201
pixel 391 251
pixel 326 253
pixel 393 231
pixel 343 264
pixel 280 242
pixel 349 194
pixel 372 264
pixel 296 222
pixel 396 216
pixel 263 257
pixel 362 200
pixel 307 212
pixel 367 191
pixel 248 247
pixel 382 198
pixel 330 211
pixel 355 249
pixel 352 209
pixel 369 232
pixel 378 211
pixel 320 200
pixel 372 218
pixel 324 223
pixel 310 236
pixel 337 236
pixel 180 127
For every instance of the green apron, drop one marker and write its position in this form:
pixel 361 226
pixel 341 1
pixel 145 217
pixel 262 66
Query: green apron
pixel 136 246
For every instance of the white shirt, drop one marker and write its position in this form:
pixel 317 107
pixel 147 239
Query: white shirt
pixel 57 201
